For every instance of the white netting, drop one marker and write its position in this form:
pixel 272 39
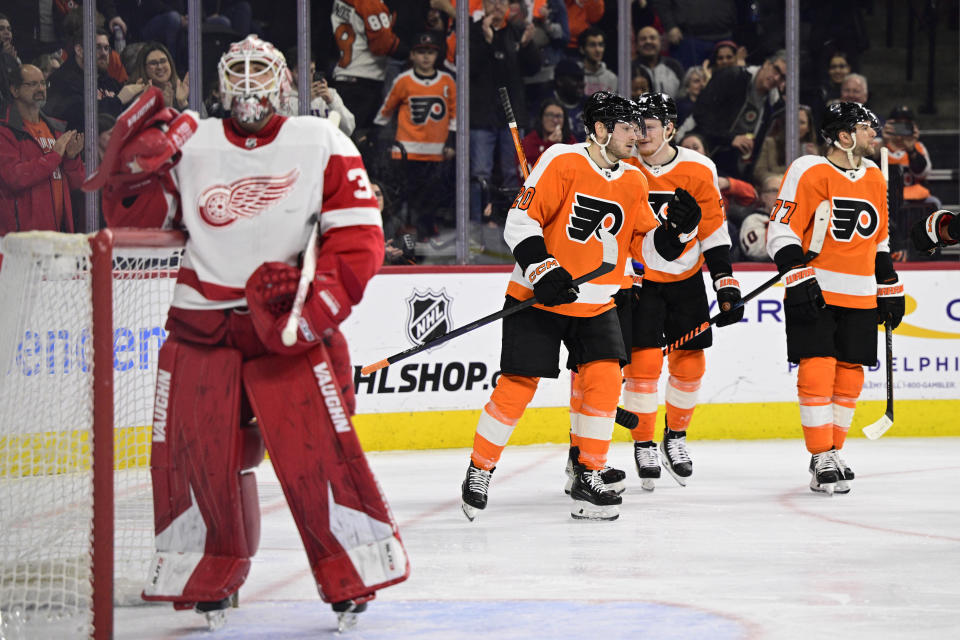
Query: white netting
pixel 46 421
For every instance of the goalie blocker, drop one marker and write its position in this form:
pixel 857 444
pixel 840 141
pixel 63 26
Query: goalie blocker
pixel 206 509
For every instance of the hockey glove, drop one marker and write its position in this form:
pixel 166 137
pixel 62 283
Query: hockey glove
pixel 728 295
pixel 891 304
pixel 552 284
pixel 939 229
pixel 804 299
pixel 270 291
pixel 683 214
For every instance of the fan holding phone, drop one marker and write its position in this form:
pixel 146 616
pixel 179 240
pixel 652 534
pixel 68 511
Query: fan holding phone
pixel 901 137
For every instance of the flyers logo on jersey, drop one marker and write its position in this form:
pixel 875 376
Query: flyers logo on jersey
pixel 423 107
pixel 221 204
pixel 850 216
pixel 658 202
pixel 589 214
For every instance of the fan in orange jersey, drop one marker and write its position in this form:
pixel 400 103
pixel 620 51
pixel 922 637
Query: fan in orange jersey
pixel 573 192
pixel 425 101
pixel 833 301
pixel 673 298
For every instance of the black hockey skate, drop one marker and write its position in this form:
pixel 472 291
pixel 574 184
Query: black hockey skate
pixel 846 473
pixel 348 612
pixel 615 479
pixel 675 455
pixel 824 474
pixel 648 463
pixel 215 612
pixel 592 500
pixel 474 490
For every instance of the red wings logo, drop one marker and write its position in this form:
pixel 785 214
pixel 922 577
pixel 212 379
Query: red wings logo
pixel 220 204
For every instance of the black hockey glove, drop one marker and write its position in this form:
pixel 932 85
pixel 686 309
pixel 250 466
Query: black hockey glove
pixel 552 284
pixel 939 229
pixel 891 304
pixel 804 298
pixel 683 213
pixel 728 295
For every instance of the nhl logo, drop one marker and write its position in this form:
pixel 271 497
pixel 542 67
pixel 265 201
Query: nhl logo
pixel 428 315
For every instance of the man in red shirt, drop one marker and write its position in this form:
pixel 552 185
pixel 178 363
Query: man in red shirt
pixel 39 162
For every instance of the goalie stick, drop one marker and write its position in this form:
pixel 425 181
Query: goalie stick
pixel 878 428
pixel 821 221
pixel 607 264
pixel 512 123
pixel 289 334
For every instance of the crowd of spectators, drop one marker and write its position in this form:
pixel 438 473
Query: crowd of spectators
pixel 721 60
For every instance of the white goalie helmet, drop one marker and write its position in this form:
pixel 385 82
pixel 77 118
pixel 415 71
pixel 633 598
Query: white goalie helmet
pixel 253 78
pixel 753 236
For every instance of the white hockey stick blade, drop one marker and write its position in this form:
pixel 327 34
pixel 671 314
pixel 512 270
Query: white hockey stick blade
pixel 821 221
pixel 289 334
pixel 878 428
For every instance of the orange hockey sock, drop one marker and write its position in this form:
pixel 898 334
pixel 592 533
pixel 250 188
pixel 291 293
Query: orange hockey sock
pixel 640 390
pixel 815 377
pixel 601 390
pixel 686 372
pixel 499 417
pixel 846 389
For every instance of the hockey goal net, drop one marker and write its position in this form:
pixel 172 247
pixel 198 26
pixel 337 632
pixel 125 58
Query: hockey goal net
pixel 80 325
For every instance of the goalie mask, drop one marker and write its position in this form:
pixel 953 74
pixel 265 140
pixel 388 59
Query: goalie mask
pixel 254 79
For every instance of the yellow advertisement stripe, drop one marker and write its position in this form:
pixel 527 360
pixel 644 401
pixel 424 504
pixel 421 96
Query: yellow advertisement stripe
pixel 68 451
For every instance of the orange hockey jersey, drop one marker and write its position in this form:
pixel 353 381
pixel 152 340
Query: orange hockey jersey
pixel 426 112
pixel 857 230
pixel 364 34
pixel 566 199
pixel 697 174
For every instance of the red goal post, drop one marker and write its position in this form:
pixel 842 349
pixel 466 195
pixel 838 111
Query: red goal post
pixel 81 322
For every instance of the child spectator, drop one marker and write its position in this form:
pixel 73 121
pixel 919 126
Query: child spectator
pixel 596 76
pixel 425 101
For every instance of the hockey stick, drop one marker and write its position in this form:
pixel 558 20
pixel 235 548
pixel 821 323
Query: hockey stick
pixel 821 220
pixel 512 123
pixel 609 261
pixel 878 428
pixel 289 334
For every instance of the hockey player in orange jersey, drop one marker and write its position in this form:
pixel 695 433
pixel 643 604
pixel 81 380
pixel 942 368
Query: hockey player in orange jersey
pixel 572 192
pixel 834 301
pixel 673 298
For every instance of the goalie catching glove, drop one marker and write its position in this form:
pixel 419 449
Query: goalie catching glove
pixel 270 291
pixel 939 229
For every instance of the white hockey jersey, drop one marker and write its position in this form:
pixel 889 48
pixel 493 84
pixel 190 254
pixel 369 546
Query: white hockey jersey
pixel 248 200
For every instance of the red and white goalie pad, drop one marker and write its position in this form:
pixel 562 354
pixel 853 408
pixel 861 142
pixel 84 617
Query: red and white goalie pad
pixel 352 542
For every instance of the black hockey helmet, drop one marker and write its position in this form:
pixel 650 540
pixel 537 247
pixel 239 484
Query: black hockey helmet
pixel 845 116
pixel 609 108
pixel 657 106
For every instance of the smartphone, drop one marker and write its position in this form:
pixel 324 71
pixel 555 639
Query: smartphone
pixel 319 76
pixel 901 128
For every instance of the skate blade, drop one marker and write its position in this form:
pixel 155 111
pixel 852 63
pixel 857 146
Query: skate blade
pixel 215 619
pixel 827 488
pixel 588 511
pixel 617 487
pixel 682 481
pixel 647 484
pixel 470 512
pixel 843 487
pixel 347 620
